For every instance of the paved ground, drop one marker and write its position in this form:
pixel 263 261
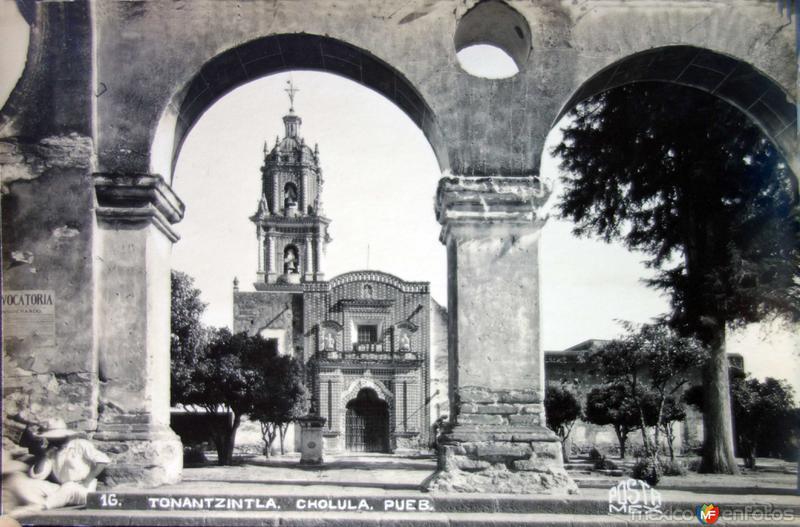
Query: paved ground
pixel 373 474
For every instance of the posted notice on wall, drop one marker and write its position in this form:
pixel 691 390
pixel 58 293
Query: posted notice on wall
pixel 29 315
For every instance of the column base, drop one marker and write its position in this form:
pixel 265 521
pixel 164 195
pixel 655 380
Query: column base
pixel 501 459
pixel 141 456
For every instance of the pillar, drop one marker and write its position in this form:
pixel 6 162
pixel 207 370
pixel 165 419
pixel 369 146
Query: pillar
pixel 491 230
pixel 261 254
pixel 319 252
pixel 135 214
pixel 304 193
pixel 308 262
pixel 270 257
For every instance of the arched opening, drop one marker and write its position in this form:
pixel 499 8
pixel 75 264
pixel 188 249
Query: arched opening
pixel 367 423
pixel 754 93
pixel 291 260
pixel 290 198
pixel 280 53
pixel 684 70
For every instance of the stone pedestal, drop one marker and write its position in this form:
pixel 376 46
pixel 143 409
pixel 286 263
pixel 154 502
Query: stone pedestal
pixel 496 440
pixel 134 242
pixel 311 439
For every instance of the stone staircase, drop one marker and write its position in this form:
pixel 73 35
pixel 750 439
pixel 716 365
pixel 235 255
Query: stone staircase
pixel 582 471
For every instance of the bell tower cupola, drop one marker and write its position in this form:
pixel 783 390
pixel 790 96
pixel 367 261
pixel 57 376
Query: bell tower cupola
pixel 292 231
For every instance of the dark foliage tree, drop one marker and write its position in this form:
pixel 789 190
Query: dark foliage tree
pixel 613 405
pixel 765 419
pixel 561 408
pixel 188 336
pixel 688 180
pixel 280 396
pixel 653 364
pixel 223 383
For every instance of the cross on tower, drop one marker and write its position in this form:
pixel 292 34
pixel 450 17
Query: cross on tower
pixel 291 90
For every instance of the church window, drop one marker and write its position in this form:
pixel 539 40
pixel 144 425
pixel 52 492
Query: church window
pixel 367 334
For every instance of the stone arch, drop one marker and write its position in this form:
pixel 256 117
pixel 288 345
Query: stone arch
pixel 384 394
pixel 733 80
pixel 275 54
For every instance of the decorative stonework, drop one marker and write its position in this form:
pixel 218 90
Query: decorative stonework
pixel 381 278
pixel 377 386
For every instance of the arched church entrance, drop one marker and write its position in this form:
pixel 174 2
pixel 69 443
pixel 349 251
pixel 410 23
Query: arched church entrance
pixel 367 423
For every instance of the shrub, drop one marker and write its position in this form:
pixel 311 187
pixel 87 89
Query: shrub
pixel 673 467
pixel 647 470
pixel 694 465
pixel 595 455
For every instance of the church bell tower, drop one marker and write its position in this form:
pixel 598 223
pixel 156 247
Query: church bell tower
pixel 292 231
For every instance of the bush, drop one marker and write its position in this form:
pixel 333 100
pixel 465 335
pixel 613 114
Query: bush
pixel 647 470
pixel 673 467
pixel 605 464
pixel 694 465
pixel 595 455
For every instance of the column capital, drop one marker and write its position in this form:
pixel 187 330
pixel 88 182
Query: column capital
pixel 135 198
pixel 491 202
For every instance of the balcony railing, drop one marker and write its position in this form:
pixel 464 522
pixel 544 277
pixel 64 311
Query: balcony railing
pixel 366 348
pixel 373 355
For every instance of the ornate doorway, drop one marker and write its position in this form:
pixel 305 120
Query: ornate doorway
pixel 367 422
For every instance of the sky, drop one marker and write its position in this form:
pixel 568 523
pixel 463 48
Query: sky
pixel 380 179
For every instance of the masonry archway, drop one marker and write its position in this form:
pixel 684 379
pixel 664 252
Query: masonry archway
pixel 280 53
pixel 757 96
pixel 734 81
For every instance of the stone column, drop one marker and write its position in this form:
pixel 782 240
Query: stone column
pixel 260 272
pixel 308 264
pixel 134 242
pixel 319 242
pixel 270 256
pixel 304 192
pixel 491 229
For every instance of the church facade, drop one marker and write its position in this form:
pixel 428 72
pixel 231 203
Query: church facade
pixel 364 337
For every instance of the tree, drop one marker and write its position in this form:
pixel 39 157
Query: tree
pixel 674 412
pixel 188 336
pixel 688 180
pixel 223 383
pixel 280 396
pixel 652 363
pixel 764 415
pixel 561 408
pixel 612 405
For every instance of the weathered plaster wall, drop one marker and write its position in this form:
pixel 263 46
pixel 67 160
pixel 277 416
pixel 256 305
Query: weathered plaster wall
pixel 48 246
pixel 46 150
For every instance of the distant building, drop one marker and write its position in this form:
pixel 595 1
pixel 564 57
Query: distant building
pixel 569 368
pixel 364 336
